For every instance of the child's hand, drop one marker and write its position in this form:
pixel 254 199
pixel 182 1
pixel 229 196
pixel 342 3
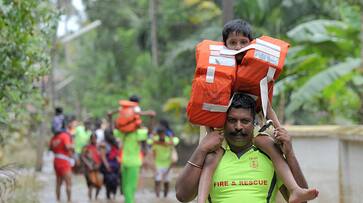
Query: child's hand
pixel 211 142
pixel 284 140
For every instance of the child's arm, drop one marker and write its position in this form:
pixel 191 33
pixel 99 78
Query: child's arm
pixel 272 116
pixel 103 157
pixel 86 162
pixel 286 147
pixel 147 113
pixel 109 117
pixel 210 164
pixel 296 193
pixel 266 144
pixel 186 186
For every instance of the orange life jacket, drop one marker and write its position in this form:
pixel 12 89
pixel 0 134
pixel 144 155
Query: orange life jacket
pixel 127 120
pixel 217 76
pixel 212 85
pixel 260 67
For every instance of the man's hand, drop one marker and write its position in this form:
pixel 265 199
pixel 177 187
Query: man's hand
pixel 211 142
pixel 284 139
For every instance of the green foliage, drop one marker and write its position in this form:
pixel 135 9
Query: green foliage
pixel 119 58
pixel 26 28
pixel 320 69
pixel 316 84
pixel 117 55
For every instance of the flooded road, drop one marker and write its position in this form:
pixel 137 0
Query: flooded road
pixel 145 193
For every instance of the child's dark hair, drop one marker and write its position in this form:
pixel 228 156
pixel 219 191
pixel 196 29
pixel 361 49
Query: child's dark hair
pixel 245 101
pixel 93 134
pixel 109 138
pixel 134 98
pixel 163 122
pixel 58 110
pixel 239 27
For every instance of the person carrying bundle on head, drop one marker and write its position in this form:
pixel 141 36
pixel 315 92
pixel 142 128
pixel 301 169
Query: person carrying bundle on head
pixel 238 64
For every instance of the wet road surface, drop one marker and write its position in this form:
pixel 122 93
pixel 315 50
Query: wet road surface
pixel 145 193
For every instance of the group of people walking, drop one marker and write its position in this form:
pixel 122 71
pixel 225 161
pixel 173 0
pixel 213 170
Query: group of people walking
pixel 109 157
pixel 237 161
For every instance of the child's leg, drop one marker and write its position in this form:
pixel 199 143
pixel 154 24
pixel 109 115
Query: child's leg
pixel 157 188
pixel 166 189
pixel 297 194
pixel 210 164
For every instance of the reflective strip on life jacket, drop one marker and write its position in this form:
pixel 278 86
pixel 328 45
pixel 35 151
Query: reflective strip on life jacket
pixel 209 78
pixel 264 88
pixel 268 44
pixel 222 60
pixel 214 107
pixel 260 47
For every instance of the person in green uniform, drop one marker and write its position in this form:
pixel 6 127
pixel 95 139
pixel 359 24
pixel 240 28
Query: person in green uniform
pixel 162 148
pixel 131 160
pixel 244 174
pixel 81 136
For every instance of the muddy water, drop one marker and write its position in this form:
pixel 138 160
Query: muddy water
pixel 145 193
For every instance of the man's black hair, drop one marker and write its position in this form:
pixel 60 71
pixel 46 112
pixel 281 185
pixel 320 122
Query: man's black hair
pixel 160 129
pixel 58 110
pixel 245 101
pixel 239 27
pixel 109 137
pixel 98 123
pixel 163 122
pixel 134 98
pixel 88 124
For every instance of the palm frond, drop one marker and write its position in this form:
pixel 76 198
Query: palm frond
pixel 212 33
pixel 315 31
pixel 317 83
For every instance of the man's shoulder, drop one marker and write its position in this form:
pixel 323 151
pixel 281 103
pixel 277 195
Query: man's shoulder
pixel 259 152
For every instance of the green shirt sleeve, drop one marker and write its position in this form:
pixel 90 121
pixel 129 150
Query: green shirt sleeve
pixel 118 134
pixel 149 141
pixel 176 141
pixel 142 134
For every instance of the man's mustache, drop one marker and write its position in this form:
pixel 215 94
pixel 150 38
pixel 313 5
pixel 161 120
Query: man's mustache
pixel 238 133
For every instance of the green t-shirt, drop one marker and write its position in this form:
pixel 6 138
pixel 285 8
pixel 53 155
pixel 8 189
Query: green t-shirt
pixel 250 178
pixel 81 138
pixel 131 147
pixel 163 152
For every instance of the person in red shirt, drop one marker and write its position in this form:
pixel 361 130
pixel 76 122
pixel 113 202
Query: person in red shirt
pixel 92 161
pixel 62 146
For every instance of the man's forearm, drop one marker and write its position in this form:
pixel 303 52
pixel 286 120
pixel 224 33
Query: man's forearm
pixel 296 170
pixel 187 183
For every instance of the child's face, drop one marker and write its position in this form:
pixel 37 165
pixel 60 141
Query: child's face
pixel 161 136
pixel 236 42
pixel 93 139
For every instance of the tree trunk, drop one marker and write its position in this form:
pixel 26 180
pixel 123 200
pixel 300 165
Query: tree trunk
pixel 154 37
pixel 228 12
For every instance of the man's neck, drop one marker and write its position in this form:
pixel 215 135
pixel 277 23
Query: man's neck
pixel 239 151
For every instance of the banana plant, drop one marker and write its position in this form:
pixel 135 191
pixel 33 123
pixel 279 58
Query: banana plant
pixel 325 53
